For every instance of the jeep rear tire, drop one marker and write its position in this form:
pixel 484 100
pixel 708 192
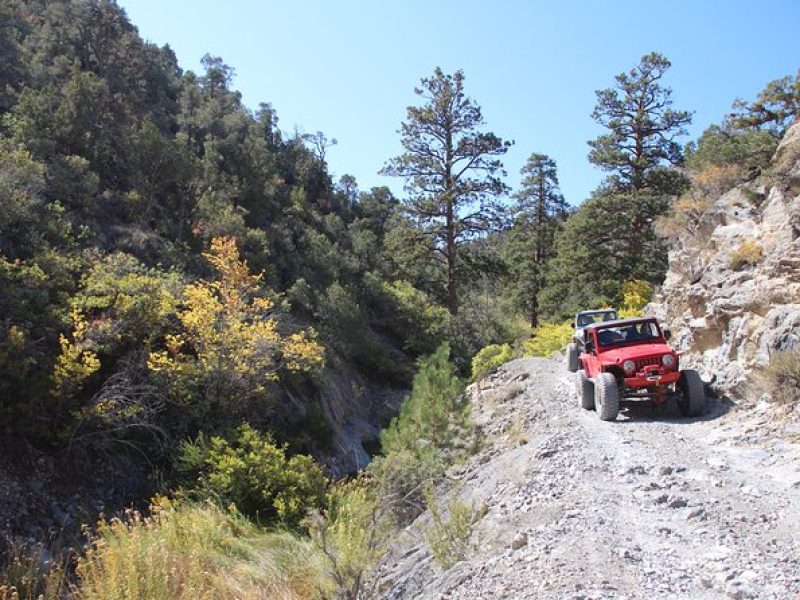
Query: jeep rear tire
pixel 572 357
pixel 692 398
pixel 585 389
pixel 606 396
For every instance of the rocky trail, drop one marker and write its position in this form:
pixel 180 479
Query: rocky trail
pixel 650 506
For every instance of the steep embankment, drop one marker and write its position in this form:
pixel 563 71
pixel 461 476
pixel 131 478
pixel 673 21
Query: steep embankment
pixel 650 506
pixel 732 293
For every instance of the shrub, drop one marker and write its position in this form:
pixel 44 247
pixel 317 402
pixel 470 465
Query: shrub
pixel 192 552
pixel 748 253
pixel 253 473
pixel 347 326
pixel 432 431
pixel 783 372
pixel 351 534
pixel 448 536
pixel 420 322
pixel 636 293
pixel 549 338
pixel 684 215
pixel 401 477
pixel 229 346
pixel 488 359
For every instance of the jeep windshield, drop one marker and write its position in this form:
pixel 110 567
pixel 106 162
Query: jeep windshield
pixel 628 333
pixel 596 316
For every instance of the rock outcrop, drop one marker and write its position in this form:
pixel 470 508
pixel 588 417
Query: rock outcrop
pixel 732 292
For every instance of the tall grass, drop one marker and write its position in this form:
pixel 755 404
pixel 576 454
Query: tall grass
pixel 196 552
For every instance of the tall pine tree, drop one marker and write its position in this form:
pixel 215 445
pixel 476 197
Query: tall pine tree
pixel 642 126
pixel 452 172
pixel 539 212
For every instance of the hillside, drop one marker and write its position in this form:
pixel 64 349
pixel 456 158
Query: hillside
pixel 227 371
pixel 652 506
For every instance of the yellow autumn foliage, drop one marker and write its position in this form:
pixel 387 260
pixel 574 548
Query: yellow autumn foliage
pixel 636 293
pixel 229 341
pixel 76 361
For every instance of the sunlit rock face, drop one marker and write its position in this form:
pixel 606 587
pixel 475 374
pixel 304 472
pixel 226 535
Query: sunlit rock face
pixel 729 317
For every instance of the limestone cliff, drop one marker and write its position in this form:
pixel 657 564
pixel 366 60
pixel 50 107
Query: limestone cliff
pixel 732 292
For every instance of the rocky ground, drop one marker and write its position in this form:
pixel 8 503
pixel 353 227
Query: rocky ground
pixel 650 506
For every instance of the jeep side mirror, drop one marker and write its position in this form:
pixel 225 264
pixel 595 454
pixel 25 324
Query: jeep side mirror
pixel 667 334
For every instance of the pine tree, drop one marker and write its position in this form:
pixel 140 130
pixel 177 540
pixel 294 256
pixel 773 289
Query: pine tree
pixel 540 212
pixel 451 169
pixel 775 108
pixel 642 128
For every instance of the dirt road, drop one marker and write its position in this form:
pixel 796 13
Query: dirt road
pixel 650 506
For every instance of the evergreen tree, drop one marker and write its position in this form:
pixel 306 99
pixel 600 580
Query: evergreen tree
pixel 451 169
pixel 775 108
pixel 608 241
pixel 642 128
pixel 540 211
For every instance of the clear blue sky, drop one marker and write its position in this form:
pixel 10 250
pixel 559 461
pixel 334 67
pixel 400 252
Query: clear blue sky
pixel 348 68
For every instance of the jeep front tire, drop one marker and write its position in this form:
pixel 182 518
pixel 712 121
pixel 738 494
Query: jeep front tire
pixel 606 396
pixel 692 398
pixel 585 389
pixel 572 358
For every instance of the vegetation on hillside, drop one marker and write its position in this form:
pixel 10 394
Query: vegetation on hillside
pixel 178 278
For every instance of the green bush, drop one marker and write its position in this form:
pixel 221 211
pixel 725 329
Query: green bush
pixel 488 359
pixel 448 536
pixel 253 473
pixel 351 534
pixel 432 431
pixel 419 321
pixel 187 552
pixel 549 338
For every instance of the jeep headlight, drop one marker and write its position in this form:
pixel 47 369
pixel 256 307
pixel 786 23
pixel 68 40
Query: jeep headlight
pixel 668 360
pixel 629 366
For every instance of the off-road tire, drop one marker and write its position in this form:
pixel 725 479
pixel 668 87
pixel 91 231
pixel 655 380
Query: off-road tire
pixel 585 389
pixel 572 358
pixel 606 396
pixel 692 395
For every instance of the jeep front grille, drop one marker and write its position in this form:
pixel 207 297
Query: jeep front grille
pixel 641 363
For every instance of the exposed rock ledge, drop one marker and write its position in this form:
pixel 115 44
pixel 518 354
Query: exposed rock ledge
pixel 730 321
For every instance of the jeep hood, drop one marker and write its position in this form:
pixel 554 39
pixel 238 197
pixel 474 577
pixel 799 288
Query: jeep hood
pixel 633 351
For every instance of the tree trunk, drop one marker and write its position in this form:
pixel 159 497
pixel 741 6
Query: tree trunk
pixel 450 225
pixel 534 312
pixel 452 257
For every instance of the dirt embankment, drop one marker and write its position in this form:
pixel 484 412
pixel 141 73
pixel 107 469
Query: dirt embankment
pixel 650 506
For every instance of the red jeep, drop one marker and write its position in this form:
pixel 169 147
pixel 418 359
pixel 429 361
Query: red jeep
pixel 629 359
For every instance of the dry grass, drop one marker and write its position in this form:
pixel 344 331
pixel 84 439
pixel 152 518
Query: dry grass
pixel 33 573
pixel 196 553
pixel 448 536
pixel 783 372
pixel 748 253
pixel 515 432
